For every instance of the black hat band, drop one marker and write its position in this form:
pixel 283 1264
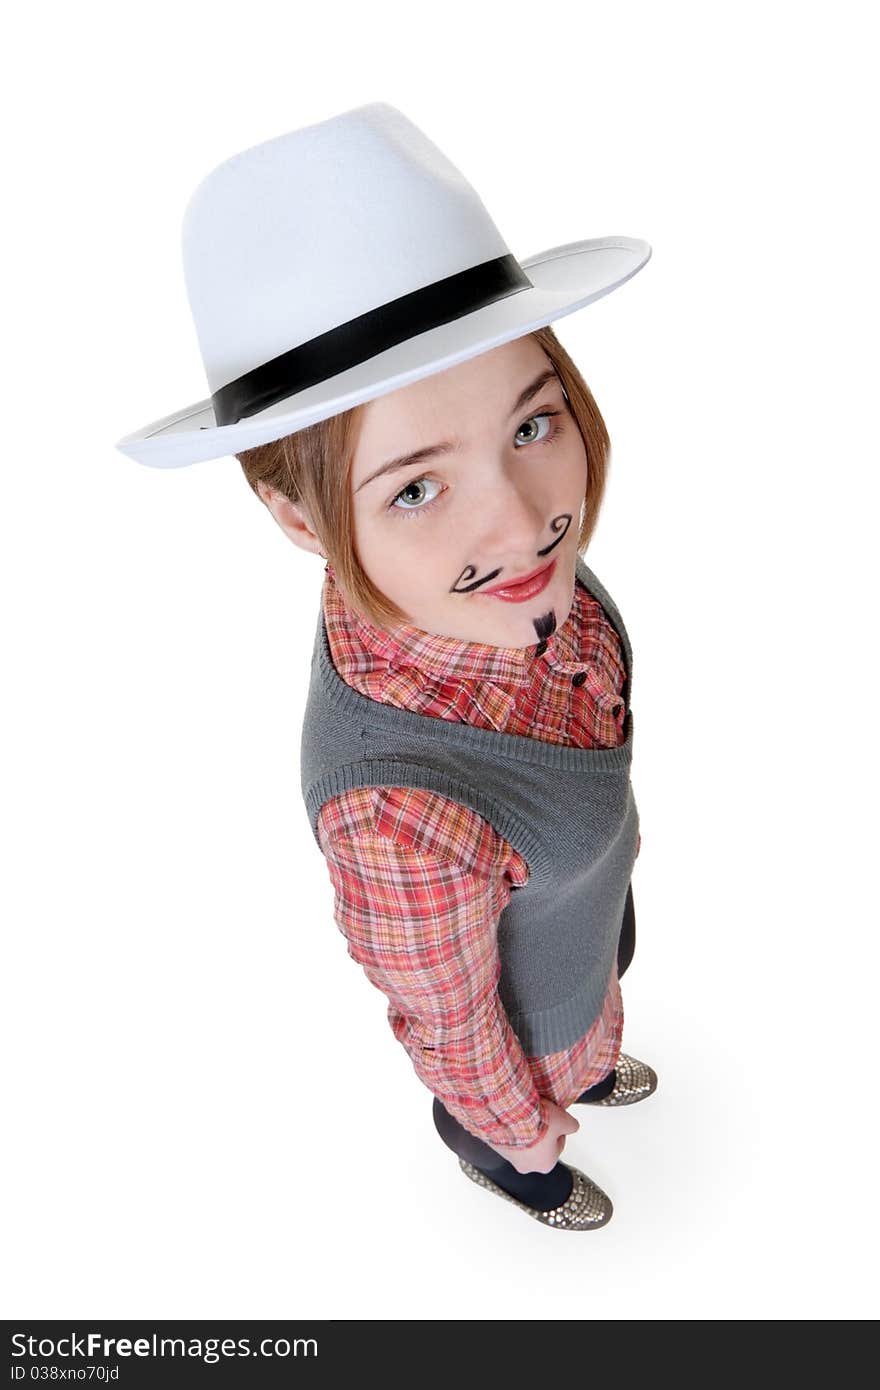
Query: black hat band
pixel 363 337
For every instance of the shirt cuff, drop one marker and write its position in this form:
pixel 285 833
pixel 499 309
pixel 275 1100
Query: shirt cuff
pixel 483 1079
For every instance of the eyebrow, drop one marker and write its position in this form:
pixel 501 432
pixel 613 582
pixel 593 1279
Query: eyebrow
pixel 446 447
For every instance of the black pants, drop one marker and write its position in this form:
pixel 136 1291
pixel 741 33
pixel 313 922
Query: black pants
pixel 469 1147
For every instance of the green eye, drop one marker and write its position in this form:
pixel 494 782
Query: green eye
pixel 533 420
pixel 421 505
pixel 550 432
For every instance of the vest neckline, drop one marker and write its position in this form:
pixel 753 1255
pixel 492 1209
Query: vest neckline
pixel 520 747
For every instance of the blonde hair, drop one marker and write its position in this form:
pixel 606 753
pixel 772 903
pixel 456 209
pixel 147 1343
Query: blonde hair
pixel 312 468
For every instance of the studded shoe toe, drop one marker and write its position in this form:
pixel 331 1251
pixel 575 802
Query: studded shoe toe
pixel 634 1081
pixel 584 1209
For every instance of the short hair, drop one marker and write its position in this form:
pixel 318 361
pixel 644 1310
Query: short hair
pixel 312 468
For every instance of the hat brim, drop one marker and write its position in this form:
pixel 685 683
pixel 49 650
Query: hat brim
pixel 564 279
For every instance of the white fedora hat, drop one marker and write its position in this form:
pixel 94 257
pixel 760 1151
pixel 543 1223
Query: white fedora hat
pixel 342 261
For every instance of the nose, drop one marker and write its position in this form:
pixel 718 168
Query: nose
pixel 511 527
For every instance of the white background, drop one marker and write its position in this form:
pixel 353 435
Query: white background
pixel 208 1114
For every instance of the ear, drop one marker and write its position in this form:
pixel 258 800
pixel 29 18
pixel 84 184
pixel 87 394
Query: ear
pixel 292 518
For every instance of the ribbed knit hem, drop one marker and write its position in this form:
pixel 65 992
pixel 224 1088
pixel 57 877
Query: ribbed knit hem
pixel 560 1027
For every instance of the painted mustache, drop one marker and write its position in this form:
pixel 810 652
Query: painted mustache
pixel 559 523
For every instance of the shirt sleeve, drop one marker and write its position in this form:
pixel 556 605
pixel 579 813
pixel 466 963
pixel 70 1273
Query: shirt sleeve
pixel 420 882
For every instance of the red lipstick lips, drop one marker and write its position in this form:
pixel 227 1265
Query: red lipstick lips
pixel 518 591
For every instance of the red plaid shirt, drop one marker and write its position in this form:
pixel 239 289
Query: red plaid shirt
pixel 421 880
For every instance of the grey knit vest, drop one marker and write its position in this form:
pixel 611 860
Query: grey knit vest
pixel 570 812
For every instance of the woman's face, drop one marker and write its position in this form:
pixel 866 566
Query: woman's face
pixel 495 494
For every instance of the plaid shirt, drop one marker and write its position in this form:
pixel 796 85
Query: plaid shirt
pixel 421 880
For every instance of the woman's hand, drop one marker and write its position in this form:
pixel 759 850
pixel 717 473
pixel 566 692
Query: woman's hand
pixel 543 1156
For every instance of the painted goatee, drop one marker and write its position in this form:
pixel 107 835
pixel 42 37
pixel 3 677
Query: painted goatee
pixel 545 624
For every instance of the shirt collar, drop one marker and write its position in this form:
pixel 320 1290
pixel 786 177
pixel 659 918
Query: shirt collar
pixel 451 658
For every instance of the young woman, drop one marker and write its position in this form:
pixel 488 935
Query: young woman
pixel 467 739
